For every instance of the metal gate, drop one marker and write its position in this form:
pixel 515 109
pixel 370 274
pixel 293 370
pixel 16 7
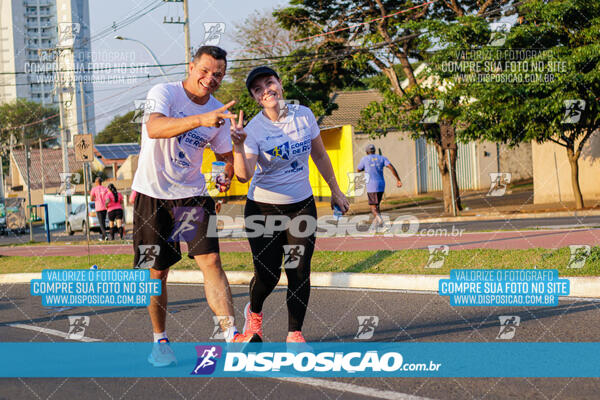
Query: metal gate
pixel 430 179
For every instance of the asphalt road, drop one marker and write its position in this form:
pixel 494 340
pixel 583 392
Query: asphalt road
pixel 332 316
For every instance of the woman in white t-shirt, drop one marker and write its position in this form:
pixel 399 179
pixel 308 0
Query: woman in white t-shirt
pixel 280 212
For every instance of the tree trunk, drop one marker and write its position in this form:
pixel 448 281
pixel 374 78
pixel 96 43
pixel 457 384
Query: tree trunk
pixel 573 160
pixel 445 172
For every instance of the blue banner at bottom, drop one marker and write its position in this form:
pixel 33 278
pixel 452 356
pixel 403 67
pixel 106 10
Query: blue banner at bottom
pixel 373 359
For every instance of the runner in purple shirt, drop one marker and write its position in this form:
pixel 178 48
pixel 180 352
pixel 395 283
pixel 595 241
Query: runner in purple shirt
pixel 373 165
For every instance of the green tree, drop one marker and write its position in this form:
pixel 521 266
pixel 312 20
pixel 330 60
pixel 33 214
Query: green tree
pixel 547 94
pixel 309 71
pixel 20 112
pixel 120 130
pixel 387 34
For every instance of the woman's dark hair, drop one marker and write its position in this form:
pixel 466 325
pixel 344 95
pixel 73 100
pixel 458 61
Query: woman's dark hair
pixel 113 189
pixel 215 52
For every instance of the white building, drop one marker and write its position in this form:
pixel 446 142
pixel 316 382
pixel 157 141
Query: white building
pixel 45 45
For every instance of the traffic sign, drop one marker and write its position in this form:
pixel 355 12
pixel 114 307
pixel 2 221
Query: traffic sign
pixel 84 147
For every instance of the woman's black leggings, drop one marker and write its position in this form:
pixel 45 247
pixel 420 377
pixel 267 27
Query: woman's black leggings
pixel 291 246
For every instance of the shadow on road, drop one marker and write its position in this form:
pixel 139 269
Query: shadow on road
pixel 175 305
pixel 434 329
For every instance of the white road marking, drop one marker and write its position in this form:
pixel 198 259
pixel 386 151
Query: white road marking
pixel 351 388
pixel 53 332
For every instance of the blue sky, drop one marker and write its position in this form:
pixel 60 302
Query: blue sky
pixel 165 40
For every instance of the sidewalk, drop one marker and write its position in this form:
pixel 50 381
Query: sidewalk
pixel 477 206
pixel 429 207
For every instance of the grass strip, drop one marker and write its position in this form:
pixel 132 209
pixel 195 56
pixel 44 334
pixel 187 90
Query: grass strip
pixel 380 262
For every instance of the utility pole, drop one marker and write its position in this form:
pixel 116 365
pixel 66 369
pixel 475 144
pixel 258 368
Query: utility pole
pixel 58 86
pixel 28 164
pixel 83 114
pixel 186 30
pixel 43 169
pixel 65 152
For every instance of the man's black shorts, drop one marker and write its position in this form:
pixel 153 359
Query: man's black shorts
pixel 115 214
pixel 159 226
pixel 374 198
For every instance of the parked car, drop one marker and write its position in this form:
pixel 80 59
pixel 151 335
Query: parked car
pixel 77 220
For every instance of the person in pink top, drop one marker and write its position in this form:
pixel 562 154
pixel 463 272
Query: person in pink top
pixel 114 205
pixel 97 195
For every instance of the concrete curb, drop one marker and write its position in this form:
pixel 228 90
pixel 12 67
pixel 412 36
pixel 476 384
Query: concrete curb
pixel 580 286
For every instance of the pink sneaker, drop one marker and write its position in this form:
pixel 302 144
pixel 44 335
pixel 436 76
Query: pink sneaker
pixel 246 338
pixel 253 323
pixel 295 337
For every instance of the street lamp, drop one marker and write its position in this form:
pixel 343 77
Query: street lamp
pixel 147 49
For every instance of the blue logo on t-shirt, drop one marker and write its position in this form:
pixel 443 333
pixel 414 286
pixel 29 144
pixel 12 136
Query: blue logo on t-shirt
pixel 282 151
pixel 295 167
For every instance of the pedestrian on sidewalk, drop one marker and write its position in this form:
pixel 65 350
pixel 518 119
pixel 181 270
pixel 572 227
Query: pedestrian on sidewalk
pixel 114 205
pixel 97 195
pixel 273 150
pixel 373 165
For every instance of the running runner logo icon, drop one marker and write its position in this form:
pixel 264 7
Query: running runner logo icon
pixel 573 111
pixel 67 32
pixel 68 180
pixel 507 326
pixel 579 254
pixel 499 33
pixel 186 223
pixel 213 32
pixel 357 34
pixel 437 255
pixel 148 254
pixel 291 255
pixel 207 359
pixel 431 111
pixel 142 110
pixel 366 326
pixel 281 151
pixel 287 108
pixel 357 183
pixel 498 183
pixel 222 323
pixel 77 325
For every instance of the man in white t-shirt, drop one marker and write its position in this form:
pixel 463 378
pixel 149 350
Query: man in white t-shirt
pixel 172 203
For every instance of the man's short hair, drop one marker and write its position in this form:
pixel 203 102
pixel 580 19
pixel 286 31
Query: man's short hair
pixel 215 52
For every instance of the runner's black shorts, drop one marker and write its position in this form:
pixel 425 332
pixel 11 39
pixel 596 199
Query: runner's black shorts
pixel 115 214
pixel 160 225
pixel 374 198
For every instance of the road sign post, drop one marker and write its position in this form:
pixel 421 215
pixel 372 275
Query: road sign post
pixel 84 151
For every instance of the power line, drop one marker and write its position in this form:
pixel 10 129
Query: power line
pixel 126 21
pixel 344 52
